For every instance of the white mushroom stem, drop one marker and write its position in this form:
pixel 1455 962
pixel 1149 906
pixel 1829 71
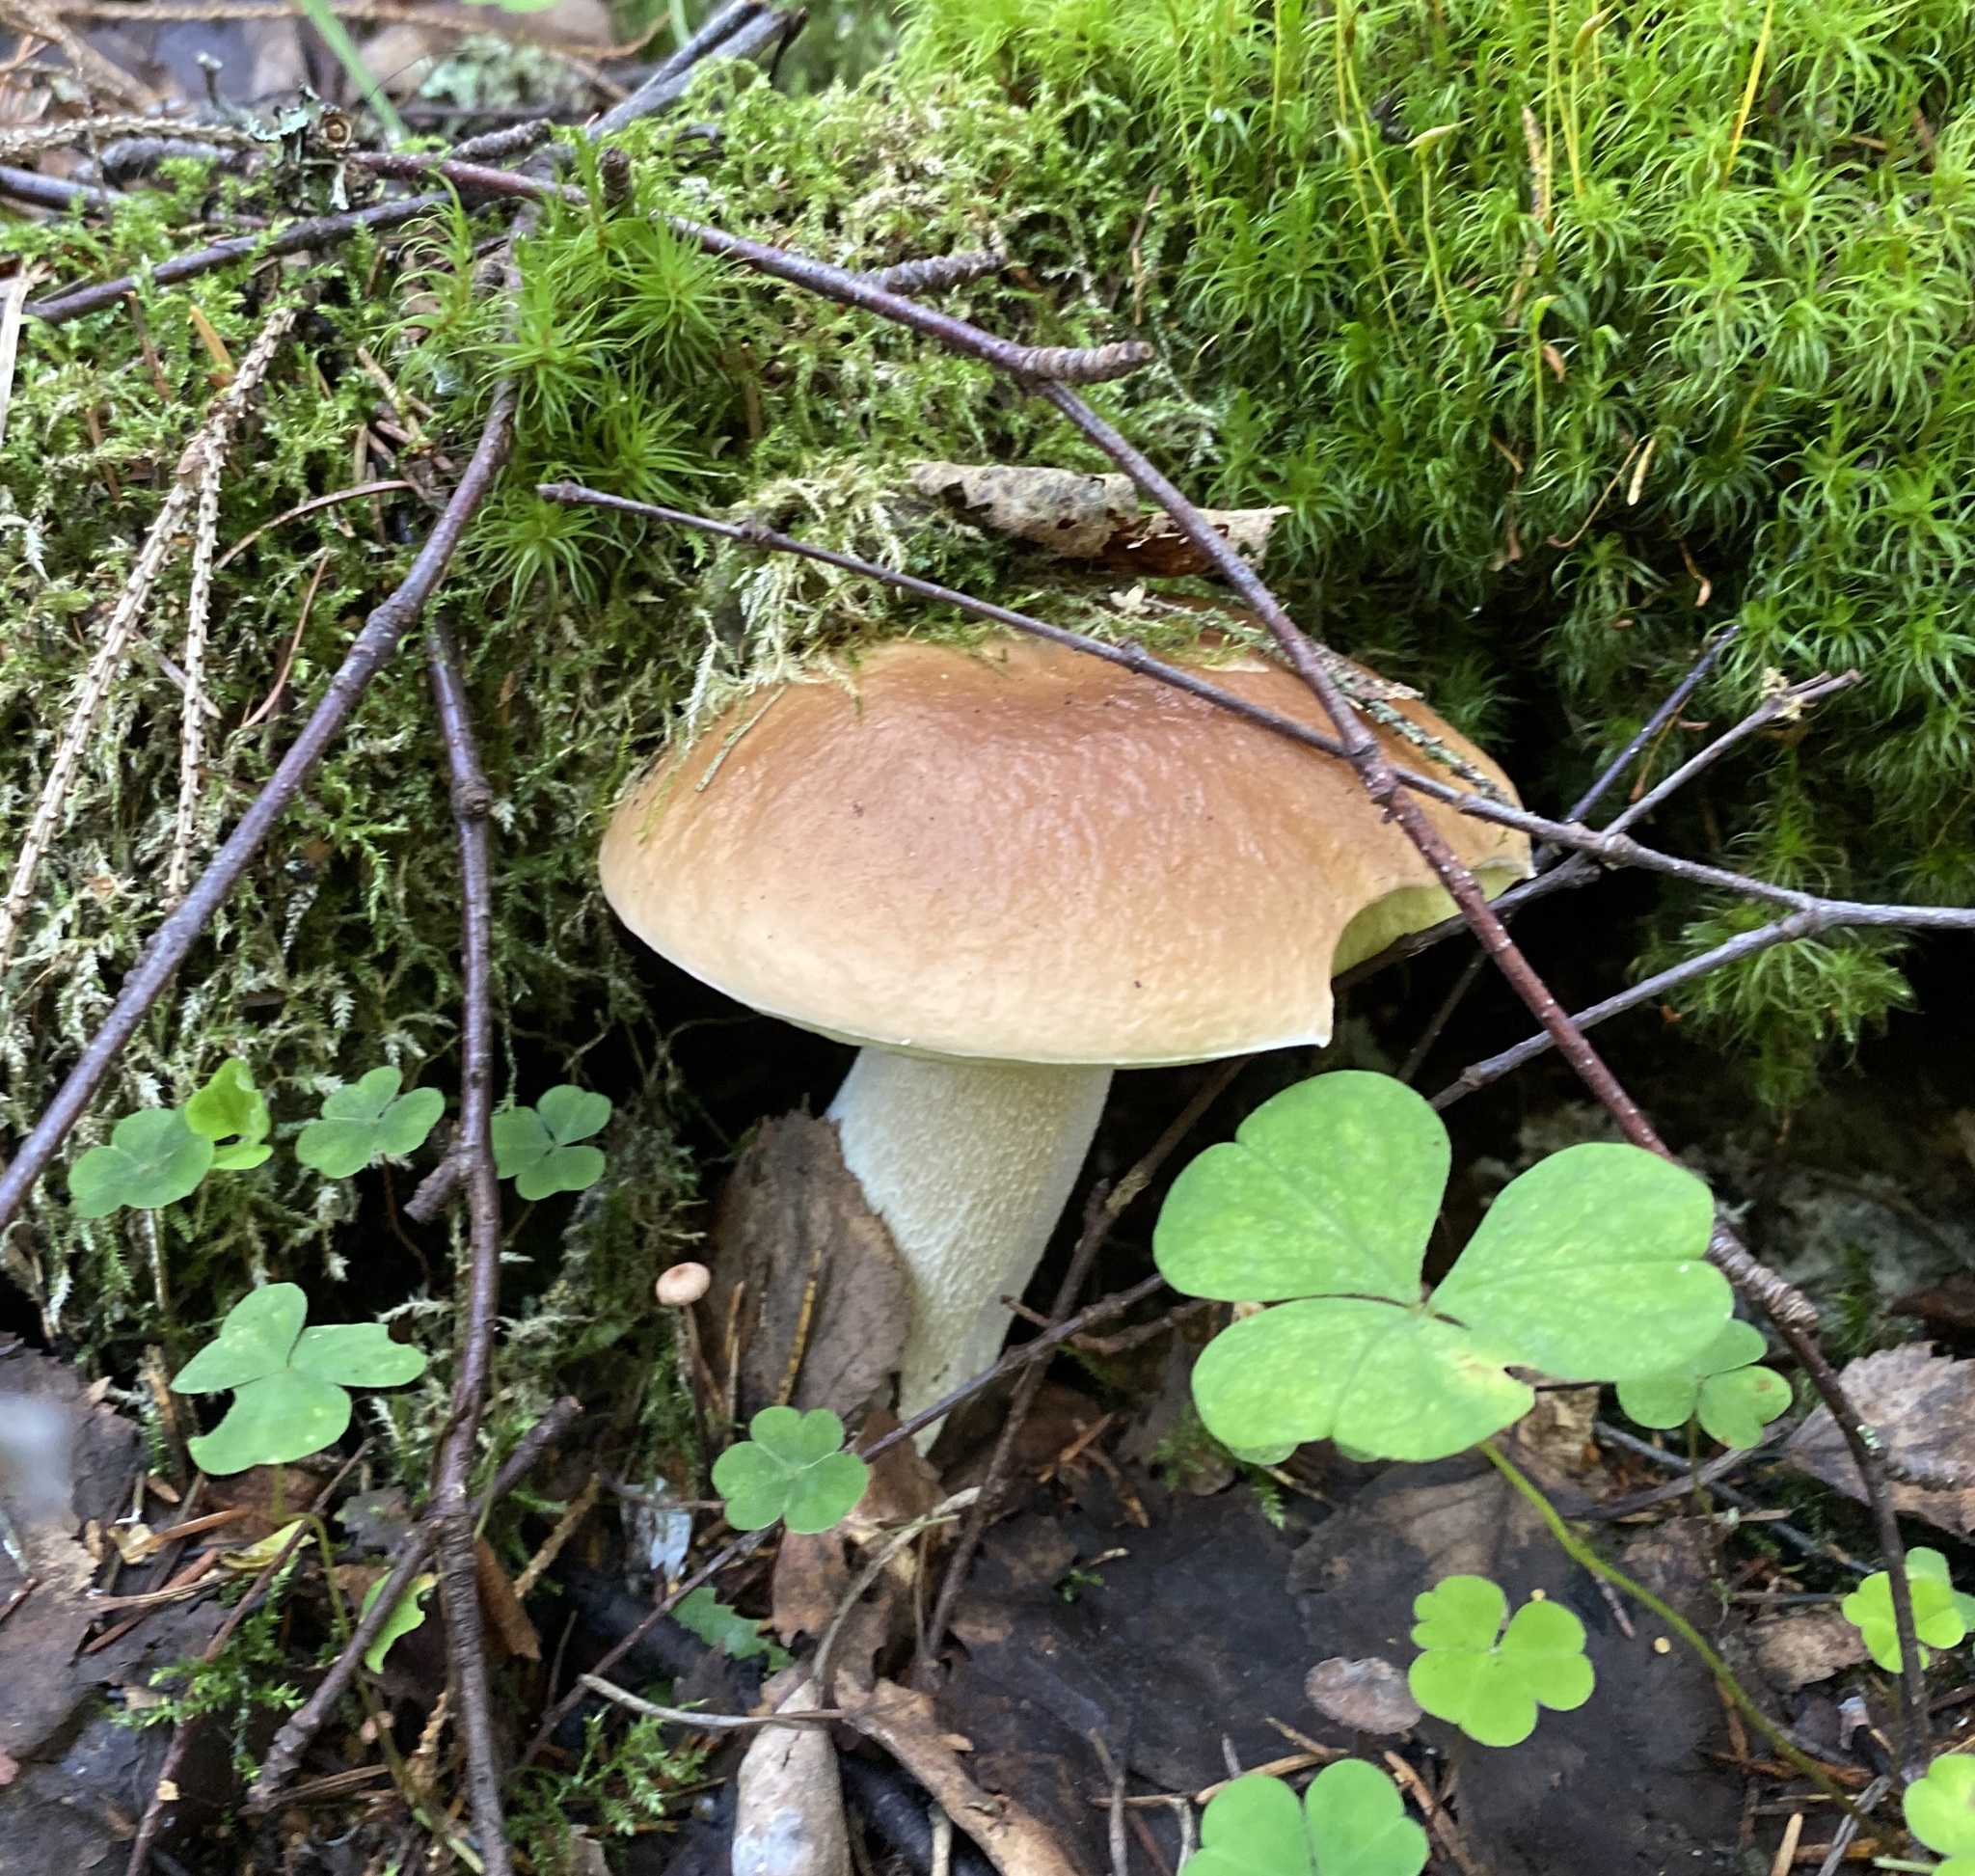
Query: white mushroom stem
pixel 969 1163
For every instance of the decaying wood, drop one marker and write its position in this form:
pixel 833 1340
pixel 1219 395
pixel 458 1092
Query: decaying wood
pixel 789 1806
pixel 903 1724
pixel 824 1313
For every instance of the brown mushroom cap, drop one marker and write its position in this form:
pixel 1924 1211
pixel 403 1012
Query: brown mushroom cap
pixel 1021 852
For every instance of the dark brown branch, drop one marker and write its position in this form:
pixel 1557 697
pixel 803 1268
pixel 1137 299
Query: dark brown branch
pixel 309 1719
pixel 318 232
pixel 173 939
pixel 53 192
pixel 473 804
pixel 1103 1212
pixel 663 86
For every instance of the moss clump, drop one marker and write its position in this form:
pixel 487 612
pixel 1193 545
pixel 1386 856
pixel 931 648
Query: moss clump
pixel 1565 335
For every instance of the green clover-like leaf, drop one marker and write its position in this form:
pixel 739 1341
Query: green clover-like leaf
pixel 154 1158
pixel 368 1122
pixel 1488 1680
pixel 794 1468
pixel 231 1108
pixel 288 1380
pixel 737 1636
pixel 1942 1615
pixel 1940 1811
pixel 1589 1267
pixel 536 1147
pixel 1351 1822
pixel 1734 1397
pixel 407 1613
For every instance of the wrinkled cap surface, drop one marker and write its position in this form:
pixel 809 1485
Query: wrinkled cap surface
pixel 1021 852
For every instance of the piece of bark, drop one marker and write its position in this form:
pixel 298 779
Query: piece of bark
pixel 1922 1405
pixel 1367 1696
pixel 1153 546
pixel 819 1286
pixel 1795 1650
pixel 507 1619
pixel 1065 513
pixel 904 1724
pixel 789 1806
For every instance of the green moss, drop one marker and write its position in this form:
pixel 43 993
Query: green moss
pixel 1549 395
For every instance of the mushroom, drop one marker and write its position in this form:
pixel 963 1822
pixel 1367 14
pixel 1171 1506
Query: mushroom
pixel 1005 871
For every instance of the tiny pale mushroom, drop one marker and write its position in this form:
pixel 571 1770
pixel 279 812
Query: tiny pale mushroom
pixel 683 1285
pixel 1005 871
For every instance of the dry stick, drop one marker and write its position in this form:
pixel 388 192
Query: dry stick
pixel 1100 1214
pixel 1618 850
pixel 472 804
pixel 96 71
pixel 1696 675
pixel 735 32
pixel 309 1719
pixel 173 939
pixel 1724 1678
pixel 207 447
pixel 318 232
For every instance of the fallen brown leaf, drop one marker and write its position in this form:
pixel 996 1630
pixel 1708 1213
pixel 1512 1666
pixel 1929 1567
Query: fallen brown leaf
pixel 1922 1405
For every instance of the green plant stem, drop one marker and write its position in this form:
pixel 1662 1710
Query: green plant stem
pixel 1580 1552
pixel 337 36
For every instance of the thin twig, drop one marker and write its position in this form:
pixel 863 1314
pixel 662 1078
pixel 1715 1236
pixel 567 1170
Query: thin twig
pixel 208 445
pixel 685 1716
pixel 473 806
pixel 97 72
pixel 318 232
pixel 301 509
pixel 309 1719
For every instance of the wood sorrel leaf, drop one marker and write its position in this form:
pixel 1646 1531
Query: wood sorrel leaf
pixel 1941 1614
pixel 153 1158
pixel 288 1380
pixel 1491 1687
pixel 407 1613
pixel 367 1121
pixel 536 1147
pixel 1940 1810
pixel 1590 1267
pixel 1351 1822
pixel 1735 1398
pixel 231 1108
pixel 794 1468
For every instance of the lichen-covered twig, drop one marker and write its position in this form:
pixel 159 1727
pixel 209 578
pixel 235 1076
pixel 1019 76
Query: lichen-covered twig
pixel 207 450
pixel 473 806
pixel 193 706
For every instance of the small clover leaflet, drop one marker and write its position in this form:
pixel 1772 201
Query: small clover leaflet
pixel 154 1158
pixel 287 1381
pixel 367 1121
pixel 737 1636
pixel 231 1108
pixel 1735 1398
pixel 1940 1811
pixel 1942 1615
pixel 536 1147
pixel 1488 1680
pixel 1587 1267
pixel 792 1467
pixel 1351 1822
pixel 407 1613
